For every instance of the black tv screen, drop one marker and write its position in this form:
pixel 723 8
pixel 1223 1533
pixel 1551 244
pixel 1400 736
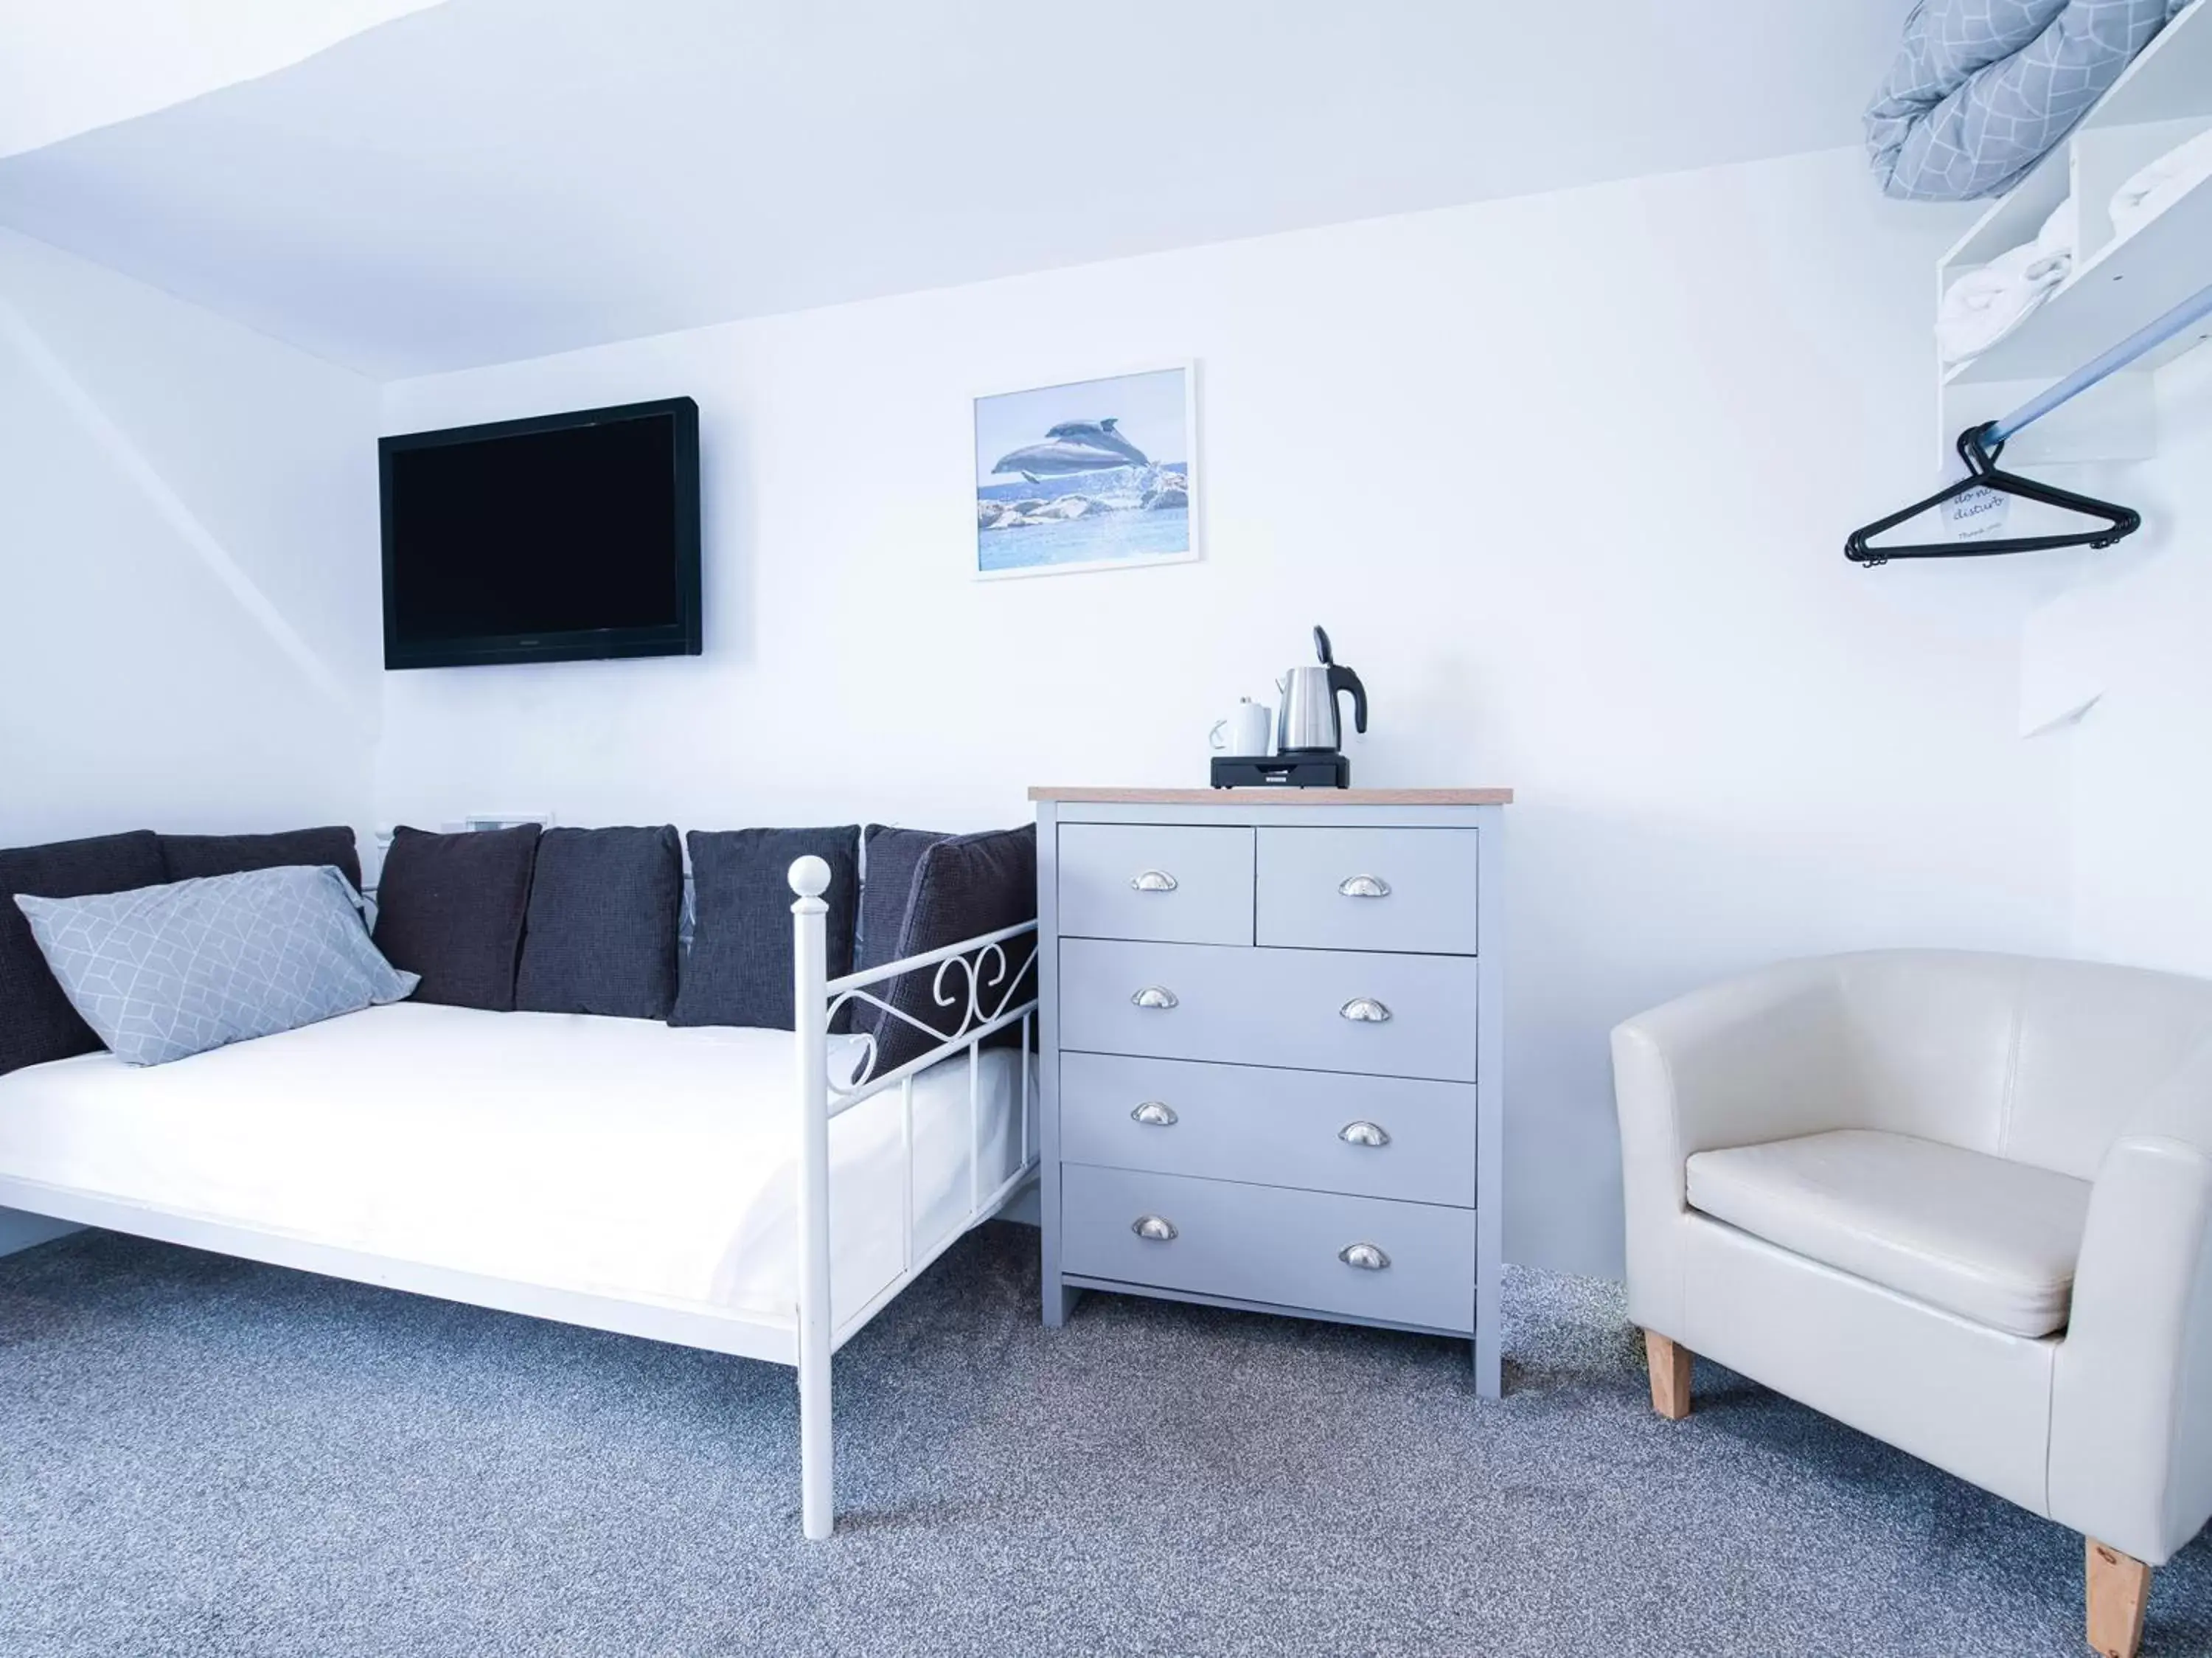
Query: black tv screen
pixel 559 538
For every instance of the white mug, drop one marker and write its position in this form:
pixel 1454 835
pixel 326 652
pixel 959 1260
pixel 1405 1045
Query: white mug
pixel 1245 731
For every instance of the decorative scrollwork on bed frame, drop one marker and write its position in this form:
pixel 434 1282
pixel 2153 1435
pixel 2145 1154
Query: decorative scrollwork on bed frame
pixel 979 974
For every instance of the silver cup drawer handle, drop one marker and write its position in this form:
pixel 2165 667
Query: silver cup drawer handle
pixel 1155 1113
pixel 1153 881
pixel 1364 1010
pixel 1363 1133
pixel 1366 1256
pixel 1154 1228
pixel 1363 887
pixel 1159 995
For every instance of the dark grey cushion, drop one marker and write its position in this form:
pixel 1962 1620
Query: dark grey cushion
pixel 601 936
pixel 893 858
pixel 37 1022
pixel 190 856
pixel 450 908
pixel 964 886
pixel 738 972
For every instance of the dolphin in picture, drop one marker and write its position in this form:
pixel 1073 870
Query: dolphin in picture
pixel 1104 434
pixel 1074 446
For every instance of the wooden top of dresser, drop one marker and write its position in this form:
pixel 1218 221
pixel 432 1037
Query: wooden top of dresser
pixel 1276 796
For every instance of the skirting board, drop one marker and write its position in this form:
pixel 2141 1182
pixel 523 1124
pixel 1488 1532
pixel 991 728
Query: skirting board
pixel 22 1231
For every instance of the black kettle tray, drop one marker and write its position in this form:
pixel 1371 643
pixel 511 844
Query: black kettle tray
pixel 1317 770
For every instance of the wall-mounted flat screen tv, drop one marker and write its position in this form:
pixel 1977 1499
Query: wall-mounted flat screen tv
pixel 560 539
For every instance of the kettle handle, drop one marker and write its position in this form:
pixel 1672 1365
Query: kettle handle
pixel 1343 679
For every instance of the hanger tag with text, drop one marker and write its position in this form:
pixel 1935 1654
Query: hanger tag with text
pixel 1972 514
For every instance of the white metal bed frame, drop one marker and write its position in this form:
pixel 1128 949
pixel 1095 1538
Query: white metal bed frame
pixel 967 976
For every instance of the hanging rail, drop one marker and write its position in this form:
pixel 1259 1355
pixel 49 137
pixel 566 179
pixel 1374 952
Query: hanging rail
pixel 1979 447
pixel 2149 337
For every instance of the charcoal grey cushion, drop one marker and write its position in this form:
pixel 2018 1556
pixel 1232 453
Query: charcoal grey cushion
pixel 37 1022
pixel 887 873
pixel 163 973
pixel 965 885
pixel 739 970
pixel 450 908
pixel 601 933
pixel 189 856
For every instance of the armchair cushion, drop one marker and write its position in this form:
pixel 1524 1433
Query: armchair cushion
pixel 1989 1239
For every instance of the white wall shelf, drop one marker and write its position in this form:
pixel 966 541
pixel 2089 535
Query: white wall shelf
pixel 2119 282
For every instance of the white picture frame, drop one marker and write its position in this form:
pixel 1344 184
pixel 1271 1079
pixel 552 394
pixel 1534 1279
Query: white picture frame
pixel 1109 456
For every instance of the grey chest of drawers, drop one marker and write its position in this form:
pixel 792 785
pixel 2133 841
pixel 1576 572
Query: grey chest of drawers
pixel 1274 1066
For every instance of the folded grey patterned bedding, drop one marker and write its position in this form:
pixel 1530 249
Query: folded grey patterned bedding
pixel 1980 89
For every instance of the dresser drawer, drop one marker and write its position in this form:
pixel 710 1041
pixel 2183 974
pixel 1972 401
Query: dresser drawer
pixel 1294 1009
pixel 1190 885
pixel 1411 1140
pixel 1260 1243
pixel 1368 889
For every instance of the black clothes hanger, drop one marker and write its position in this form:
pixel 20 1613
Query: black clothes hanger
pixel 1981 473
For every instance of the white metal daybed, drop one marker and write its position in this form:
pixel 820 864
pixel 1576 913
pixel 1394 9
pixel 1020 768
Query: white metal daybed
pixel 750 1192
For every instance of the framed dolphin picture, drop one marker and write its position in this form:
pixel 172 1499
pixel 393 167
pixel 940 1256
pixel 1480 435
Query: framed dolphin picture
pixel 1094 474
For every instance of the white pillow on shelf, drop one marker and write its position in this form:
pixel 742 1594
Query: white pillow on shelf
pixel 2153 189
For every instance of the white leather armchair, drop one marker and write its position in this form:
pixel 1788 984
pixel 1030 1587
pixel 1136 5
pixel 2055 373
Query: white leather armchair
pixel 1961 1202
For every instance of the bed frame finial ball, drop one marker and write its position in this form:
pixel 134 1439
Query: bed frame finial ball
pixel 809 876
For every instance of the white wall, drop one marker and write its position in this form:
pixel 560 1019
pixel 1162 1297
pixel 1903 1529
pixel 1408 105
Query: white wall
pixel 1567 477
pixel 2135 632
pixel 188 545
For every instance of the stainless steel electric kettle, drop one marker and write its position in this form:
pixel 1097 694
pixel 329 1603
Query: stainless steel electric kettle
pixel 1306 723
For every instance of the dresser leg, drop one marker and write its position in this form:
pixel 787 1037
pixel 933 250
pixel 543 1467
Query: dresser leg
pixel 1489 1367
pixel 1058 1302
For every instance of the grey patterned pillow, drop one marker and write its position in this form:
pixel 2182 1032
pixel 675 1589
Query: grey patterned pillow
pixel 161 973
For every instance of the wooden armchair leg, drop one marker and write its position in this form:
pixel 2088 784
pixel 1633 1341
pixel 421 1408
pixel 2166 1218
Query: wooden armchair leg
pixel 1670 1375
pixel 2119 1587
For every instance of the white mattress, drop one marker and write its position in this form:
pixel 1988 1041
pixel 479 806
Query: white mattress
pixel 615 1156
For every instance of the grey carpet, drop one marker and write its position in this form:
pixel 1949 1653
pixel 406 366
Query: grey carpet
pixel 202 1456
